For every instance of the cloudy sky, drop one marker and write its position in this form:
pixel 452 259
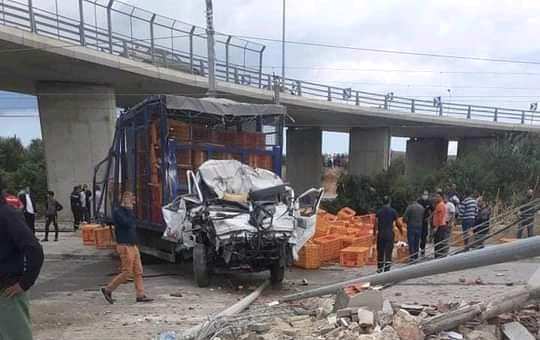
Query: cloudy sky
pixel 495 29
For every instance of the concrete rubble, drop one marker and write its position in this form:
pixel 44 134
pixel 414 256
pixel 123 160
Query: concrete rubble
pixel 321 320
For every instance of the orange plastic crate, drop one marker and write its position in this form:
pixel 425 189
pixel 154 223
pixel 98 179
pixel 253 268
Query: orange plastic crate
pixel 353 256
pixel 363 241
pixel 346 214
pixel 104 238
pixel 309 256
pixel 330 245
pixel 338 229
pixel 88 236
pixel 402 254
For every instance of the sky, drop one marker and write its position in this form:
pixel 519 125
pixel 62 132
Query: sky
pixel 482 28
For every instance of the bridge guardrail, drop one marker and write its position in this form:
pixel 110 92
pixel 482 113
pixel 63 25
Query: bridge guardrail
pixel 192 59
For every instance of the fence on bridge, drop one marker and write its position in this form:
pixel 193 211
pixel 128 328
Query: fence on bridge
pixel 114 27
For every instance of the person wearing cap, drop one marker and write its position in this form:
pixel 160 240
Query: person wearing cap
pixel 414 217
pixel 21 258
pixel 386 217
pixel 428 210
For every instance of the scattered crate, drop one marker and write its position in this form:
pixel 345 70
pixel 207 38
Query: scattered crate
pixel 402 254
pixel 353 256
pixel 88 236
pixel 330 245
pixel 104 238
pixel 309 256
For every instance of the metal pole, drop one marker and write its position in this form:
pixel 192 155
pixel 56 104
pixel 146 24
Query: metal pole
pixel 261 65
pixel 211 52
pixel 152 43
pixel 227 42
pixel 283 47
pixel 81 23
pixel 109 24
pixel 191 48
pixel 31 15
pixel 517 250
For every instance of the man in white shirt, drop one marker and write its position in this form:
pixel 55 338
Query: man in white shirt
pixel 29 208
pixel 450 213
pixel 82 196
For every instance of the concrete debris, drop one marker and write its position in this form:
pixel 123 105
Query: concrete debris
pixel 480 335
pixel 407 326
pixel 366 318
pixel 357 296
pixel 516 331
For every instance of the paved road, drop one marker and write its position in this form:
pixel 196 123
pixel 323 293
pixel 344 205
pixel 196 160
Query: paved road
pixel 66 303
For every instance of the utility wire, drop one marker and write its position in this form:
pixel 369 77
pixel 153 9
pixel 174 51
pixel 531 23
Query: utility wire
pixel 398 52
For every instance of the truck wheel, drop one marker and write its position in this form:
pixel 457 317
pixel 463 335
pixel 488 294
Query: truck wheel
pixel 200 265
pixel 277 273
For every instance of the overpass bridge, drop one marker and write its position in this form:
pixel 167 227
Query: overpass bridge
pixel 82 70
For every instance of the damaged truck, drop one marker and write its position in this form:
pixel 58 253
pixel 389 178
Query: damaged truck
pixel 206 177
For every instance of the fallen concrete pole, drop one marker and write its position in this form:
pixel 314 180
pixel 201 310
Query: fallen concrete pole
pixel 504 303
pixel 517 250
pixel 232 310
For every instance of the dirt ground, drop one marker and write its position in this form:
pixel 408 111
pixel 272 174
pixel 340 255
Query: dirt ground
pixel 66 303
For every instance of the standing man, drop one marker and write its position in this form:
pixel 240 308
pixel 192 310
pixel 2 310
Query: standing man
pixel 82 198
pixel 450 211
pixel 88 197
pixel 468 211
pixel 98 204
pixel 440 228
pixel 414 217
pixel 52 207
pixel 428 210
pixel 75 200
pixel 526 215
pixel 126 237
pixel 21 258
pixel 29 208
pixel 386 217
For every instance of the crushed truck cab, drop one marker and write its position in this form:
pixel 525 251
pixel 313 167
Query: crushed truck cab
pixel 206 176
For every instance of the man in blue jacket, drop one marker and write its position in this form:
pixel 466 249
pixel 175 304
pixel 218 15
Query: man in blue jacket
pixel 126 238
pixel 21 258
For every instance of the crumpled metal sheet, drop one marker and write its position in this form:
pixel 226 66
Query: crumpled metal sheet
pixel 234 177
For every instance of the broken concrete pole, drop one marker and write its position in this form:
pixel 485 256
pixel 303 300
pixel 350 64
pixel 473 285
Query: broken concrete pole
pixel 513 251
pixel 369 299
pixel 407 326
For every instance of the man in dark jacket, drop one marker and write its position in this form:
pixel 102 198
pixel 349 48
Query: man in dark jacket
pixel 29 208
pixel 386 217
pixel 75 200
pixel 428 210
pixel 126 238
pixel 52 207
pixel 21 258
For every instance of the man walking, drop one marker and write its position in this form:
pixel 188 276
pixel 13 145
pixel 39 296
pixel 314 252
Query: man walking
pixel 75 200
pixel 481 228
pixel 428 209
pixel 29 209
pixel 124 222
pixel 21 258
pixel 414 217
pixel 468 211
pixel 52 207
pixel 440 228
pixel 386 217
pixel 526 215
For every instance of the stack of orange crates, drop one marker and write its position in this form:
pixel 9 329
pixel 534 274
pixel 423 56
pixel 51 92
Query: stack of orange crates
pixel 330 245
pixel 353 256
pixel 309 257
pixel 104 238
pixel 88 235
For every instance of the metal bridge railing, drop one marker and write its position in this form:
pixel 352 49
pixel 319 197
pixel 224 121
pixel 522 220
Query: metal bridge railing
pixel 121 29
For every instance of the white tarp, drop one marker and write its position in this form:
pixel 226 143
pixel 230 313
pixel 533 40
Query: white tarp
pixel 231 176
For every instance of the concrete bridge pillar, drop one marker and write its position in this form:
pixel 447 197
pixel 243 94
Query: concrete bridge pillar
pixel 369 151
pixel 304 158
pixel 469 146
pixel 424 155
pixel 77 126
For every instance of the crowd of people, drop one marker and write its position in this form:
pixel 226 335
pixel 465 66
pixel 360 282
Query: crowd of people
pixel 337 160
pixel 435 216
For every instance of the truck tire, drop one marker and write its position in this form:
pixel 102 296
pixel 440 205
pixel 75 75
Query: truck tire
pixel 200 265
pixel 277 273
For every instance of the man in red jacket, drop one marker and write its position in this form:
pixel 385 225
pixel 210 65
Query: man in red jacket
pixel 441 232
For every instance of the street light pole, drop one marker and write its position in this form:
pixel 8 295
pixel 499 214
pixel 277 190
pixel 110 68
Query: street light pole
pixel 283 47
pixel 211 50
